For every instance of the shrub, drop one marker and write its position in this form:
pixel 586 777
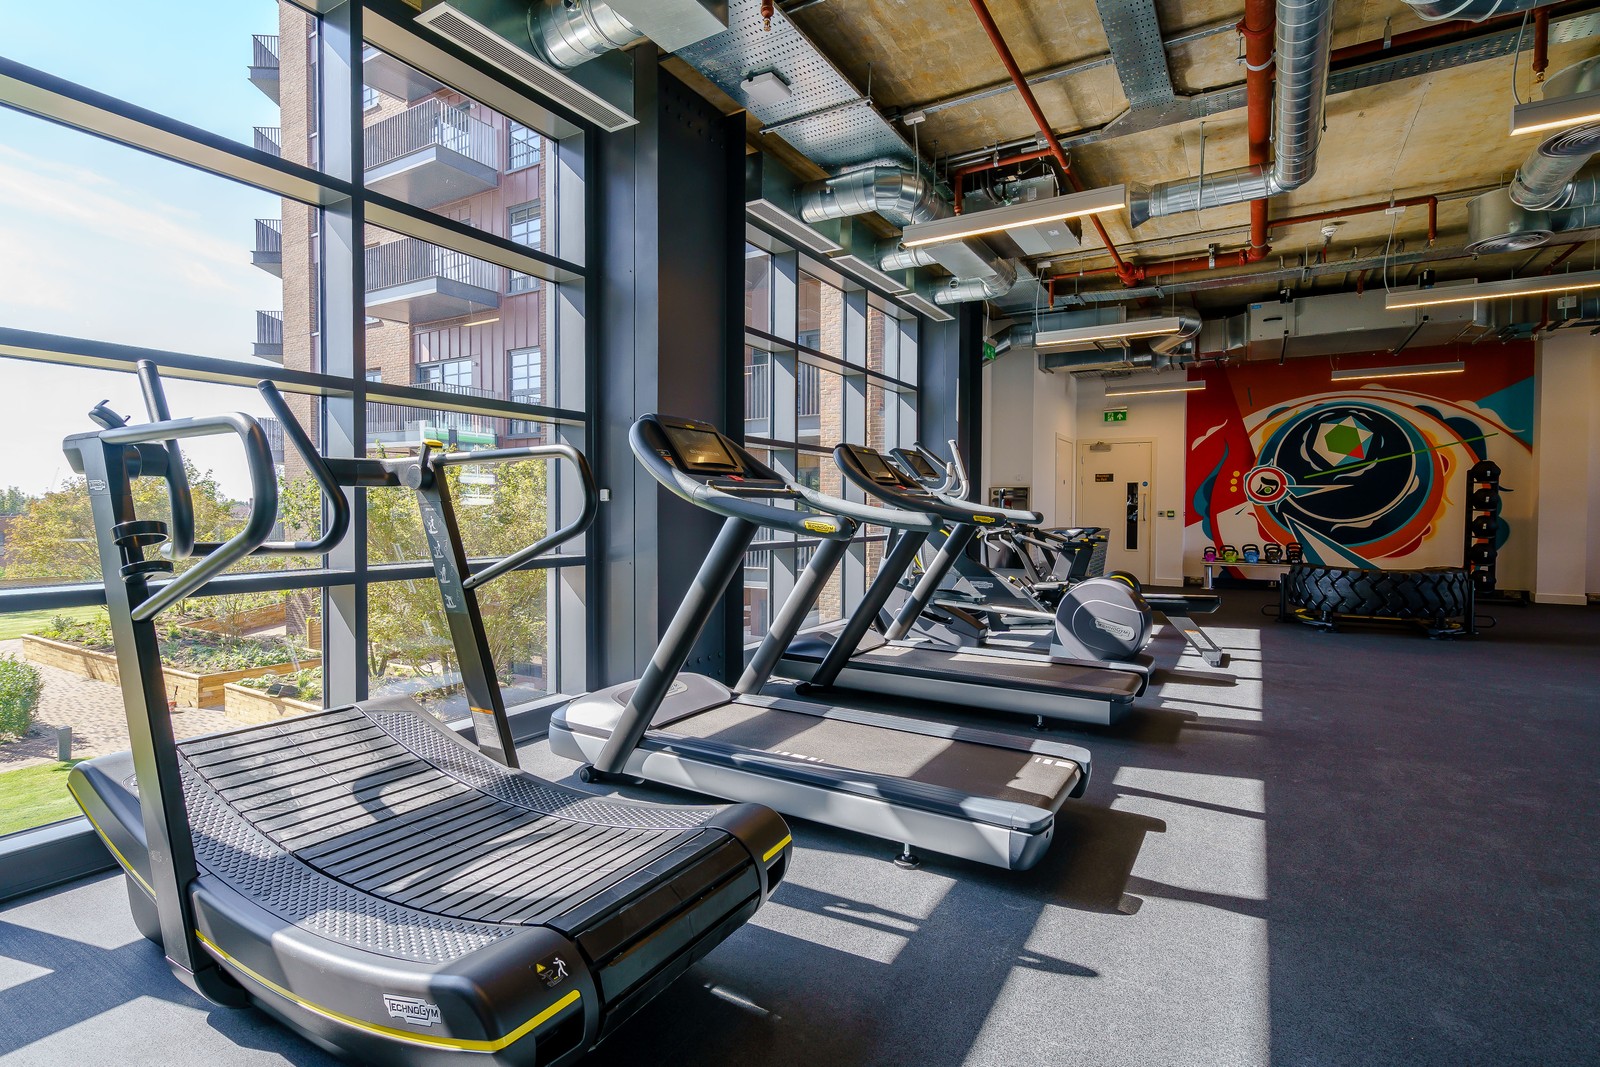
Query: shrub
pixel 20 686
pixel 307 683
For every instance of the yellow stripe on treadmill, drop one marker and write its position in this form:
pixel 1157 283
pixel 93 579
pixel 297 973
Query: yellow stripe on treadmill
pixel 123 860
pixel 775 849
pixel 462 1044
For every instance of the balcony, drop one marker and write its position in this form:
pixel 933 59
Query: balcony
pixel 398 424
pixel 269 139
pixel 268 252
pixel 758 398
pixel 387 74
pixel 413 281
pixel 431 154
pixel 527 428
pixel 264 64
pixel 269 335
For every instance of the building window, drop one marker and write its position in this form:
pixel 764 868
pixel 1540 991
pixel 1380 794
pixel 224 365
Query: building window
pixel 369 98
pixel 375 375
pixel 527 387
pixel 526 147
pixel 449 374
pixel 525 224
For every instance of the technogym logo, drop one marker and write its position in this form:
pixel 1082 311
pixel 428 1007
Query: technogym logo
pixel 411 1010
pixel 1115 629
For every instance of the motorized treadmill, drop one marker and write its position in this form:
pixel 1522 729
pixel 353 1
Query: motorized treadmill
pixel 852 656
pixel 362 874
pixel 985 795
pixel 958 584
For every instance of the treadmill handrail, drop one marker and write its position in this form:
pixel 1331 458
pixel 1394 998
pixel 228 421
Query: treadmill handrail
pixel 945 508
pixel 728 505
pixel 893 518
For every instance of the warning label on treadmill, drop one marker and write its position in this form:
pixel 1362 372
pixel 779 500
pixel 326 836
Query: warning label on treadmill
pixel 411 1010
pixel 552 972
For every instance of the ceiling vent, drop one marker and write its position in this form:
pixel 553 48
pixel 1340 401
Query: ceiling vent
pixel 1495 224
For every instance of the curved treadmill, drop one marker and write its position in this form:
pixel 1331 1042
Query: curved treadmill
pixel 852 656
pixel 362 874
pixel 984 795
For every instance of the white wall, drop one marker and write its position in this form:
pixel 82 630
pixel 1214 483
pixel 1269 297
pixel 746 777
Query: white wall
pixel 1566 446
pixel 1162 419
pixel 1023 411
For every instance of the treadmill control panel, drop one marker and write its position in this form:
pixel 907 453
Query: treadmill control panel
pixel 918 466
pixel 699 449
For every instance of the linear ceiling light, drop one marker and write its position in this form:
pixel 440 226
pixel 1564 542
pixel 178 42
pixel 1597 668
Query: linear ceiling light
pixel 1108 331
pixel 1398 299
pixel 1030 213
pixel 792 227
pixel 1410 371
pixel 1146 388
pixel 1540 116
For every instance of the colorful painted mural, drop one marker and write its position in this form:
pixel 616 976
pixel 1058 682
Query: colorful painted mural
pixel 1365 472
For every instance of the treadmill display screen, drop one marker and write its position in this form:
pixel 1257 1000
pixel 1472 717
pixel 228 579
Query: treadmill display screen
pixel 700 449
pixel 920 467
pixel 876 468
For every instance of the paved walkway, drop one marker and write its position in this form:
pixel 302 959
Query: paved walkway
pixel 94 711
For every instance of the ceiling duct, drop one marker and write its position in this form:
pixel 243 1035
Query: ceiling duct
pixel 1471 10
pixel 535 42
pixel 1496 223
pixel 1304 38
pixel 905 196
pixel 1544 180
pixel 1166 347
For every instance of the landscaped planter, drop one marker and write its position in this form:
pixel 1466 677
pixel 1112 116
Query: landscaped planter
pixel 251 706
pixel 187 689
pixel 242 622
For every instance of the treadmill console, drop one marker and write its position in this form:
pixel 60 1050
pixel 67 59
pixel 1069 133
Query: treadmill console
pixel 881 472
pixel 918 466
pixel 701 451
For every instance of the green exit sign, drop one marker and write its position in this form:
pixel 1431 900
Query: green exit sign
pixel 989 354
pixel 1116 415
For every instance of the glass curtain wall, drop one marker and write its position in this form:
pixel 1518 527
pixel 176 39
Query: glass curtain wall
pixel 302 206
pixel 825 361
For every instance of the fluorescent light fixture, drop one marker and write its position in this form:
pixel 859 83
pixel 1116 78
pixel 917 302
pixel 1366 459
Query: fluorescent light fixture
pixel 792 227
pixel 1029 213
pixel 1399 299
pixel 1540 116
pixel 1146 388
pixel 1108 331
pixel 1410 371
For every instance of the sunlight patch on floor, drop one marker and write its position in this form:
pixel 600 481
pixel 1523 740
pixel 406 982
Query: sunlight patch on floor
pixel 15 972
pixel 1244 794
pixel 1204 850
pixel 869 941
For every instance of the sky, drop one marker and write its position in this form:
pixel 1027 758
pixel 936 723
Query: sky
pixel 103 242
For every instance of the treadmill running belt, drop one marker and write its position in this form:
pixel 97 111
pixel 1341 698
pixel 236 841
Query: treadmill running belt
pixel 941 664
pixel 985 770
pixel 340 793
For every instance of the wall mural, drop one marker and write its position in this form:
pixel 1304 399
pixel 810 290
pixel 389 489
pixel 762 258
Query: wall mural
pixel 1361 473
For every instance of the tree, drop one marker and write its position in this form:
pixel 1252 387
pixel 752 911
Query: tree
pixel 13 500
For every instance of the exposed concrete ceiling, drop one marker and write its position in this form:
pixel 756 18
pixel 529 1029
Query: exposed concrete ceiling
pixel 1442 133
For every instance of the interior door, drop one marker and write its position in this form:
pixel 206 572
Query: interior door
pixel 1114 492
pixel 1066 484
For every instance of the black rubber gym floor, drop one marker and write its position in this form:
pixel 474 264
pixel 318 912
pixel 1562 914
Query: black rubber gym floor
pixel 1353 848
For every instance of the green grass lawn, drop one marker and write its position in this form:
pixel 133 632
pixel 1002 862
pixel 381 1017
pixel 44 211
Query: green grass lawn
pixel 26 622
pixel 35 796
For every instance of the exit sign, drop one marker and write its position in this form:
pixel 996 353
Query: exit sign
pixel 1116 415
pixel 989 353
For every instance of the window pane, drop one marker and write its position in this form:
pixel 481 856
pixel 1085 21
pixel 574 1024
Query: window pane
pixel 757 602
pixel 819 405
pixel 440 321
pixel 110 244
pixel 224 67
pixel 757 288
pixel 757 393
pixel 821 316
pixel 57 673
pixel 433 148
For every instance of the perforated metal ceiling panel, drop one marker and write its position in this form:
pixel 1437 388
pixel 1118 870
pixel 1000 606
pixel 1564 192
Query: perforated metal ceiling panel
pixel 826 118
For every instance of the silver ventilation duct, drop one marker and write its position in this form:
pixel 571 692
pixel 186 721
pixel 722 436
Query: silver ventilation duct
pixel 1304 39
pixel 1050 362
pixel 572 34
pixel 903 197
pixel 1496 223
pixel 1471 10
pixel 1543 180
pixel 1167 347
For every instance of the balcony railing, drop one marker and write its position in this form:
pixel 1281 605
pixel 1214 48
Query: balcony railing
pixel 399 418
pixel 809 390
pixel 527 427
pixel 757 392
pixel 269 139
pixel 264 51
pixel 410 260
pixel 269 328
pixel 269 235
pixel 430 124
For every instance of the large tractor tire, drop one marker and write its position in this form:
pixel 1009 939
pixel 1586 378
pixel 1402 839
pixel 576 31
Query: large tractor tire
pixel 1440 598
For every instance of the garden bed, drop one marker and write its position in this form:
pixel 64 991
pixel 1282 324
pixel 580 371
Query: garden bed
pixel 201 688
pixel 251 706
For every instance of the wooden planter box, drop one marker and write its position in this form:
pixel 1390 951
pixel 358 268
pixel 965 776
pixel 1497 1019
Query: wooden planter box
pixel 188 689
pixel 243 621
pixel 252 706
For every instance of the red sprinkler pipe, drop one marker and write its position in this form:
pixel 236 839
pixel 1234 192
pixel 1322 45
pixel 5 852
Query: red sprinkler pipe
pixel 1126 272
pixel 1258 28
pixel 1541 42
pixel 1432 203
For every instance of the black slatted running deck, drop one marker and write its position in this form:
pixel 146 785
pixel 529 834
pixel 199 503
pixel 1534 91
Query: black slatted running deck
pixel 424 824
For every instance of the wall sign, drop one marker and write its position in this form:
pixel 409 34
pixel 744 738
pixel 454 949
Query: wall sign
pixel 1115 415
pixel 1102 477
